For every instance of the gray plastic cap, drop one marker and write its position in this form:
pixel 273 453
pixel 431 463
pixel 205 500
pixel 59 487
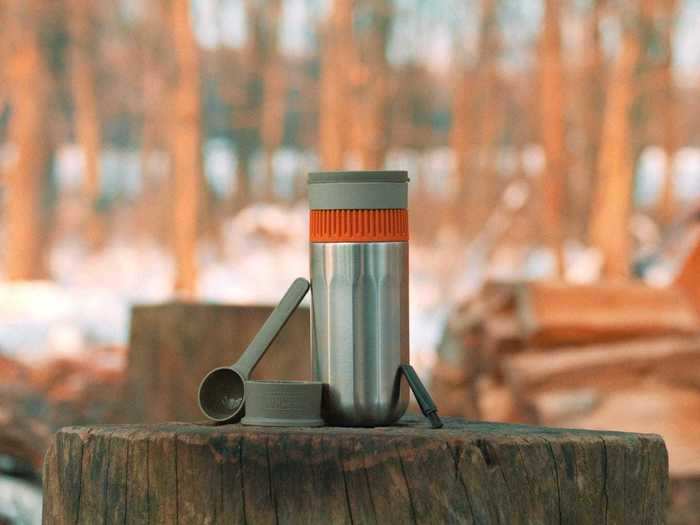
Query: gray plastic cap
pixel 358 190
pixel 283 403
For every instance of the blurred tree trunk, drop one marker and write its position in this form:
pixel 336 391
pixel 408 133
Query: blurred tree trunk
pixel 29 81
pixel 668 107
pixel 373 81
pixel 489 113
pixel 336 60
pixel 646 78
pixel 83 77
pixel 553 131
pixel 273 97
pixel 186 146
pixel 461 138
pixel 610 214
pixel 243 189
pixel 592 100
pixel 157 188
pixel 477 118
pixel 247 97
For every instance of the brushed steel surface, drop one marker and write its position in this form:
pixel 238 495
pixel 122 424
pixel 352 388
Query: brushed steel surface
pixel 359 330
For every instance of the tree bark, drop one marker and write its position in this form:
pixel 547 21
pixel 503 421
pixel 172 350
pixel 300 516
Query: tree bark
pixel 29 85
pixel 461 135
pixel 156 174
pixel 668 107
pixel 243 190
pixel 582 181
pixel 371 127
pixel 610 213
pixel 273 100
pixel 83 79
pixel 552 110
pixel 465 473
pixel 260 83
pixel 336 60
pixel 476 120
pixel 186 147
pixel 592 99
pixel 646 76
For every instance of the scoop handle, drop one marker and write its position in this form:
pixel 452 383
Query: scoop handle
pixel 271 328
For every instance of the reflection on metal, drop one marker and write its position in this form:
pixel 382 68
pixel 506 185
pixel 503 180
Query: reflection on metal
pixel 360 330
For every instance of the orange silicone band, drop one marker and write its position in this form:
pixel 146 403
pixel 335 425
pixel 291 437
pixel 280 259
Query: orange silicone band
pixel 358 225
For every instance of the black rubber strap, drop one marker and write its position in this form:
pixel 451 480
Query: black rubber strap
pixel 425 402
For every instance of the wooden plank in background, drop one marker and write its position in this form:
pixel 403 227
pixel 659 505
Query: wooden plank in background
pixel 593 365
pixel 688 278
pixel 555 314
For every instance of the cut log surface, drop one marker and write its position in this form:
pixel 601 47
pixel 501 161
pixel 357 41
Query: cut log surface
pixel 484 473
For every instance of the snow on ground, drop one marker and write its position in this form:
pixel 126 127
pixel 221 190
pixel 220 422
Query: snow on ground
pixel 20 502
pixel 264 248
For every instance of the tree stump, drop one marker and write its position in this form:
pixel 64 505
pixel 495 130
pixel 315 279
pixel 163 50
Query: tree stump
pixel 173 345
pixel 483 473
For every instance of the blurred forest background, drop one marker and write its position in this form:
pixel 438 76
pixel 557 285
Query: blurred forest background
pixel 151 150
pixel 153 147
pixel 158 122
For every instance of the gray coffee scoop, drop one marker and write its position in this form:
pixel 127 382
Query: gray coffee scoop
pixel 222 392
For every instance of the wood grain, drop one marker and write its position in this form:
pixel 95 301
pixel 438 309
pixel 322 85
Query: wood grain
pixel 465 473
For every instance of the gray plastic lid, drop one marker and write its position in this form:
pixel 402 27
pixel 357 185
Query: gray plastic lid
pixel 358 190
pixel 358 176
pixel 283 403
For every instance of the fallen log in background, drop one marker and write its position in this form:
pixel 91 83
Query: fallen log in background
pixel 688 277
pixel 609 355
pixel 467 472
pixel 602 366
pixel 685 504
pixel 554 314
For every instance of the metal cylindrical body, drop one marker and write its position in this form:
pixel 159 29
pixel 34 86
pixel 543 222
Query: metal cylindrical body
pixel 360 330
pixel 359 286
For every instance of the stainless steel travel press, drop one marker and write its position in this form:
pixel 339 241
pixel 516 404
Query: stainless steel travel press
pixel 359 320
pixel 359 288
